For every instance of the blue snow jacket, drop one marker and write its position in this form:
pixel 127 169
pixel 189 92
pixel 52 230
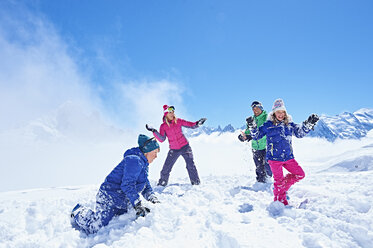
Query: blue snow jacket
pixel 127 180
pixel 279 138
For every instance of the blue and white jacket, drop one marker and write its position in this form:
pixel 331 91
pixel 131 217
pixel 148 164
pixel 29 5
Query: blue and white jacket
pixel 279 138
pixel 129 178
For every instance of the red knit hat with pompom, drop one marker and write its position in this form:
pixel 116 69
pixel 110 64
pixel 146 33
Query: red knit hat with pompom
pixel 167 109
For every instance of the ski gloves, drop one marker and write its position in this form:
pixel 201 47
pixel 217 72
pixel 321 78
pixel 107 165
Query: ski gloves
pixel 242 138
pixel 311 121
pixel 141 210
pixel 153 199
pixel 250 122
pixel 201 121
pixel 151 129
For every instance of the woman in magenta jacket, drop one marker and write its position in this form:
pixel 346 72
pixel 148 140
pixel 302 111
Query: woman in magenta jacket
pixel 179 145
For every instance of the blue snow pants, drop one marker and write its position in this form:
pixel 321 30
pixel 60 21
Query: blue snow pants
pixel 91 221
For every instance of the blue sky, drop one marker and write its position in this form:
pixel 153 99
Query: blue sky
pixel 316 55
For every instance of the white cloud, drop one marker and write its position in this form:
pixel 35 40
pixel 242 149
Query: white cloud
pixel 36 72
pixel 142 101
pixel 54 126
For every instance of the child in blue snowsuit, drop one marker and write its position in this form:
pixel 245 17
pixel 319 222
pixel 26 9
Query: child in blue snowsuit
pixel 279 130
pixel 121 189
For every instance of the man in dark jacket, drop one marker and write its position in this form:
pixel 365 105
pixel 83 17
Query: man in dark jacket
pixel 121 189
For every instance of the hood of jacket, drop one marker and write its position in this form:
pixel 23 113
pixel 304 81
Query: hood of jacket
pixel 269 117
pixel 137 152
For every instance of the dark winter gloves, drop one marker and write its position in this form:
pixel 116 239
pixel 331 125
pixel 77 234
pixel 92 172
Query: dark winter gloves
pixel 311 121
pixel 153 199
pixel 250 122
pixel 243 138
pixel 151 129
pixel 201 121
pixel 141 210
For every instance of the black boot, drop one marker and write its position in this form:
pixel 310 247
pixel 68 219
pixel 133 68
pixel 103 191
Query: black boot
pixel 162 183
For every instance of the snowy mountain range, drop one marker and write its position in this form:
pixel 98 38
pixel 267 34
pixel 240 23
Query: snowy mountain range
pixel 70 121
pixel 344 126
pixel 209 130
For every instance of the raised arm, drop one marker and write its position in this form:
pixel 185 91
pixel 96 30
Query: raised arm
pixel 188 124
pixel 301 130
pixel 160 136
pixel 255 132
pixel 258 133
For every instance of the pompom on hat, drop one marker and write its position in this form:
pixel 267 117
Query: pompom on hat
pixel 167 109
pixel 278 105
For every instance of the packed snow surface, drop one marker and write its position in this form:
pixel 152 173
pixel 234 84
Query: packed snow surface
pixel 331 207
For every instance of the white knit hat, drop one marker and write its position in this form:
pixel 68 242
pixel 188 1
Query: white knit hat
pixel 278 105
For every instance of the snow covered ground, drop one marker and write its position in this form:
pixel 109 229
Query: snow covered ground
pixel 227 210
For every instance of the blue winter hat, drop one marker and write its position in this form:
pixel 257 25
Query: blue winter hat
pixel 147 144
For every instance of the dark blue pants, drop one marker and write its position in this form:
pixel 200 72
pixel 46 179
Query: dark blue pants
pixel 91 221
pixel 173 155
pixel 262 167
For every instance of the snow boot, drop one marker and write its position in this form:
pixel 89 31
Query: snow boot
pixel 283 198
pixel 262 180
pixel 162 183
pixel 195 182
pixel 75 210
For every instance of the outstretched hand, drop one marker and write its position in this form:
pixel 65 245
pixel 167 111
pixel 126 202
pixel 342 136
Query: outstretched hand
pixel 243 137
pixel 151 129
pixel 311 121
pixel 201 121
pixel 313 118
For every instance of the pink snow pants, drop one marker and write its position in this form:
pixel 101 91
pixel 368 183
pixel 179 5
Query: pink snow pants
pixel 281 183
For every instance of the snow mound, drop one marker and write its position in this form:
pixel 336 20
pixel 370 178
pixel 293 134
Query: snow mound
pixel 367 146
pixel 245 208
pixel 363 163
pixel 224 212
pixel 276 209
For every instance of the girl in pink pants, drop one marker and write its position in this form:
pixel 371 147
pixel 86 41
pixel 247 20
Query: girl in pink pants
pixel 279 130
pixel 282 184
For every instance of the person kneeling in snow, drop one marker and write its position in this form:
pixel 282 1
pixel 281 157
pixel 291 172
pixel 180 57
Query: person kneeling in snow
pixel 121 189
pixel 279 130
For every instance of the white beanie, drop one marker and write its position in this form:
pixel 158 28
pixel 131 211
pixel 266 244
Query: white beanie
pixel 278 105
